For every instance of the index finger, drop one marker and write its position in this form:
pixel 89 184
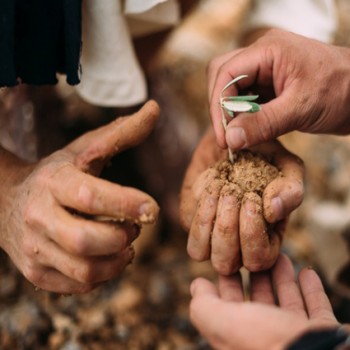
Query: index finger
pixel 90 195
pixel 246 61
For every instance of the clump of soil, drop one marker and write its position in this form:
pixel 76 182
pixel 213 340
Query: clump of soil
pixel 250 173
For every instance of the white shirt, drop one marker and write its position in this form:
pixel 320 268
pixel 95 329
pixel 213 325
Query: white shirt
pixel 111 74
pixel 315 19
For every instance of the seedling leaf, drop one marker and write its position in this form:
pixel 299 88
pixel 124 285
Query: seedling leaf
pixel 237 106
pixel 233 82
pixel 241 98
pixel 231 104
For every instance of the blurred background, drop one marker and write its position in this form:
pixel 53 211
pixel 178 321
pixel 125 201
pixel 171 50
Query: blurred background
pixel 147 308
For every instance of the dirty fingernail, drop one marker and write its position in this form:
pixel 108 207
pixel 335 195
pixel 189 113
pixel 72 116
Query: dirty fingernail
pixel 147 213
pixel 236 138
pixel 130 253
pixel 277 208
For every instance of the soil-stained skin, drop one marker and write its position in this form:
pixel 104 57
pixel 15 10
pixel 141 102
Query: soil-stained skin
pixel 243 183
pixel 250 172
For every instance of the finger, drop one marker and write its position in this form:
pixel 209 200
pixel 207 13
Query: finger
pixel 196 178
pixel 275 118
pixel 261 290
pixel 317 303
pixel 123 133
pixel 84 270
pixel 201 286
pixel 90 195
pixel 191 195
pixel 220 74
pixel 214 67
pixel 259 247
pixel 287 290
pixel 284 194
pixel 231 288
pixel 204 306
pixel 198 245
pixel 52 280
pixel 225 245
pixel 83 237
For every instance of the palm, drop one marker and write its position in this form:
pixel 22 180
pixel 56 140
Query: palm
pixel 279 310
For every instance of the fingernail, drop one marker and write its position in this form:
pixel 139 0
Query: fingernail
pixel 146 212
pixel 130 253
pixel 277 208
pixel 236 138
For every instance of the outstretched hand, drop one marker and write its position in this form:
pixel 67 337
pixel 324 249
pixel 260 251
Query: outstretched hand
pixel 279 309
pixel 221 229
pixel 304 83
pixel 50 210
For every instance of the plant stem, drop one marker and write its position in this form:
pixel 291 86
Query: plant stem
pixel 224 123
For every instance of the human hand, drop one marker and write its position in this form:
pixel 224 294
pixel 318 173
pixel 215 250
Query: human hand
pixel 225 232
pixel 50 211
pixel 304 82
pixel 268 321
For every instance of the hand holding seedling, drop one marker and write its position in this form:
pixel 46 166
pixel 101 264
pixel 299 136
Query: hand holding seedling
pixel 49 210
pixel 304 84
pixel 232 225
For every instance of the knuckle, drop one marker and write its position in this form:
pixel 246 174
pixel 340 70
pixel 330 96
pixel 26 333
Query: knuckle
pixel 32 216
pixel 28 249
pixel 259 264
pixel 32 273
pixel 86 273
pixel 76 242
pixel 42 176
pixel 266 129
pixel 86 197
pixel 224 229
pixel 226 268
pixel 299 193
pixel 203 222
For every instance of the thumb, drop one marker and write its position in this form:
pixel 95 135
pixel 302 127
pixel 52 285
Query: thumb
pixel 115 137
pixel 274 119
pixel 201 287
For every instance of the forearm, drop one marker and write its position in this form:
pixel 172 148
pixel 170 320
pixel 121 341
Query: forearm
pixel 12 170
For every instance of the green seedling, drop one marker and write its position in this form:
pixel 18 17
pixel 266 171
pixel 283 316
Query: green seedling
pixel 236 104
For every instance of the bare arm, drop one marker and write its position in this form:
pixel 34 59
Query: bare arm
pixel 49 210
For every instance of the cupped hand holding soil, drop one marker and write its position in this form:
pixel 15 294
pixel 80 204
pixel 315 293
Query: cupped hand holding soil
pixel 236 213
